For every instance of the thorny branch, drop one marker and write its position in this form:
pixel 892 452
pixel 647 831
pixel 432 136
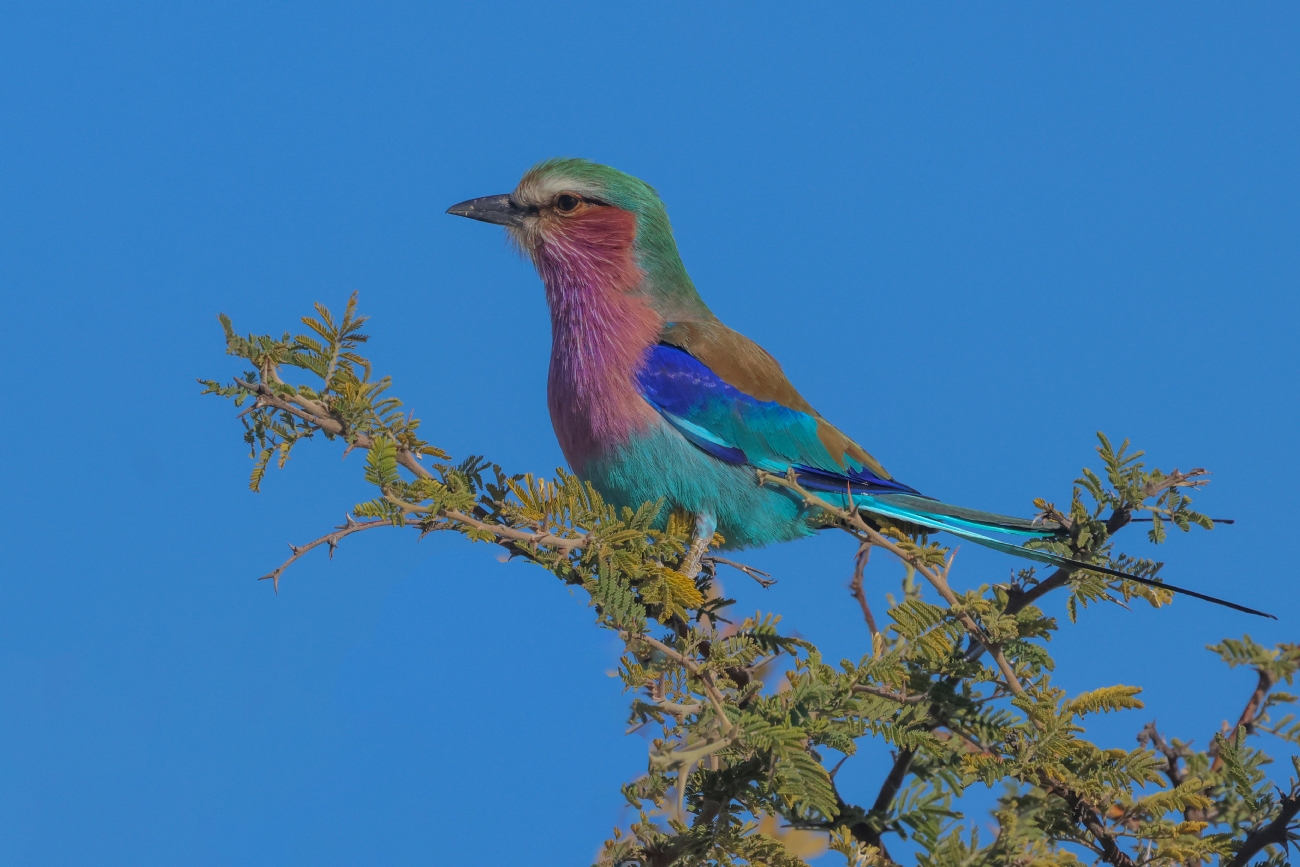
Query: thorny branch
pixel 331 539
pixel 315 414
pixel 1107 842
pixel 710 688
pixel 1275 833
pixel 1107 846
pixel 866 831
pixel 698 691
pixel 1247 719
pixel 764 579
pixel 1150 736
pixel 937 578
pixel 857 591
pixel 1116 521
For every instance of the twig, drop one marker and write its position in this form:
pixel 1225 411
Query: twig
pixel 659 699
pixel 1021 600
pixel 1275 833
pixel 331 539
pixel 686 757
pixel 1247 719
pixel 1117 521
pixel 498 530
pixel 307 410
pixel 855 588
pixel 1176 479
pixel 314 413
pixel 864 830
pixel 764 579
pixel 710 690
pixel 937 579
pixel 1086 816
pixel 1151 735
pixel 965 738
pixel 503 532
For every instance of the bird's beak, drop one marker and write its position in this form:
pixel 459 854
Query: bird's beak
pixel 491 209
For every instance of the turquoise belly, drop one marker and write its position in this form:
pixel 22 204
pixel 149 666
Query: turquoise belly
pixel 662 464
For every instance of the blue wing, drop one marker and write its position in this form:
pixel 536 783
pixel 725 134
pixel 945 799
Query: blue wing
pixel 740 429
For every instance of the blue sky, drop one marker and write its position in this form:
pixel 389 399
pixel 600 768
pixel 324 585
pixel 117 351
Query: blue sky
pixel 974 235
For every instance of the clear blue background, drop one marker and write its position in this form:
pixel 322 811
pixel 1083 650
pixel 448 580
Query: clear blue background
pixel 973 234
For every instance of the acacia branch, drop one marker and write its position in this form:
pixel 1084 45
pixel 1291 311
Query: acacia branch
pixel 1247 719
pixel 303 416
pixel 764 579
pixel 300 407
pixel 1175 479
pixel 670 707
pixel 710 689
pixel 937 579
pixel 331 539
pixel 315 414
pixel 1275 833
pixel 1150 735
pixel 501 531
pixel 1019 601
pixel 1085 815
pixel 866 830
pixel 860 594
pixel 1118 520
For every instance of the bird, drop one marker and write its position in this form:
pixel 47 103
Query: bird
pixel 653 398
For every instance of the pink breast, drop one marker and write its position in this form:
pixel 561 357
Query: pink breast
pixel 601 327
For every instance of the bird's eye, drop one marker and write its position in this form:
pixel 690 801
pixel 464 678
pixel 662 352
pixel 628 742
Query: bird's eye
pixel 567 203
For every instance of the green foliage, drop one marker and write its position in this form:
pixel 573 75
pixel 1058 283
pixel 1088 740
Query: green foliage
pixel 1106 699
pixel 747 722
pixel 354 404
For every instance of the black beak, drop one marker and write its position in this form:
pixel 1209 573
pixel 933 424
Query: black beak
pixel 491 209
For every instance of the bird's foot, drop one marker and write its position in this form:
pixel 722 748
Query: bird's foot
pixel 691 562
pixel 705 526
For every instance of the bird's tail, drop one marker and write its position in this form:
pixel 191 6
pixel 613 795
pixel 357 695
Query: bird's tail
pixel 976 526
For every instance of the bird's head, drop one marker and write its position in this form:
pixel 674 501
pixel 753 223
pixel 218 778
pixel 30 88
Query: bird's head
pixel 585 223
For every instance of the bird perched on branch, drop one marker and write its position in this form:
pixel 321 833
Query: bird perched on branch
pixel 652 397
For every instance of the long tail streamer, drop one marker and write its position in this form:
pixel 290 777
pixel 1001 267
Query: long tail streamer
pixel 972 525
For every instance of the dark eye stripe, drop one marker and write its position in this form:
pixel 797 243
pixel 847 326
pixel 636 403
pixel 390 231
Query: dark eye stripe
pixel 566 202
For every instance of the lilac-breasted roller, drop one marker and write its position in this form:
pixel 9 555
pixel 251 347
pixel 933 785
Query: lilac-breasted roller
pixel 652 397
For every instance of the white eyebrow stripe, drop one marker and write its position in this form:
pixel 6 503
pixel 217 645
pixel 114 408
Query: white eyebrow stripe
pixel 535 191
